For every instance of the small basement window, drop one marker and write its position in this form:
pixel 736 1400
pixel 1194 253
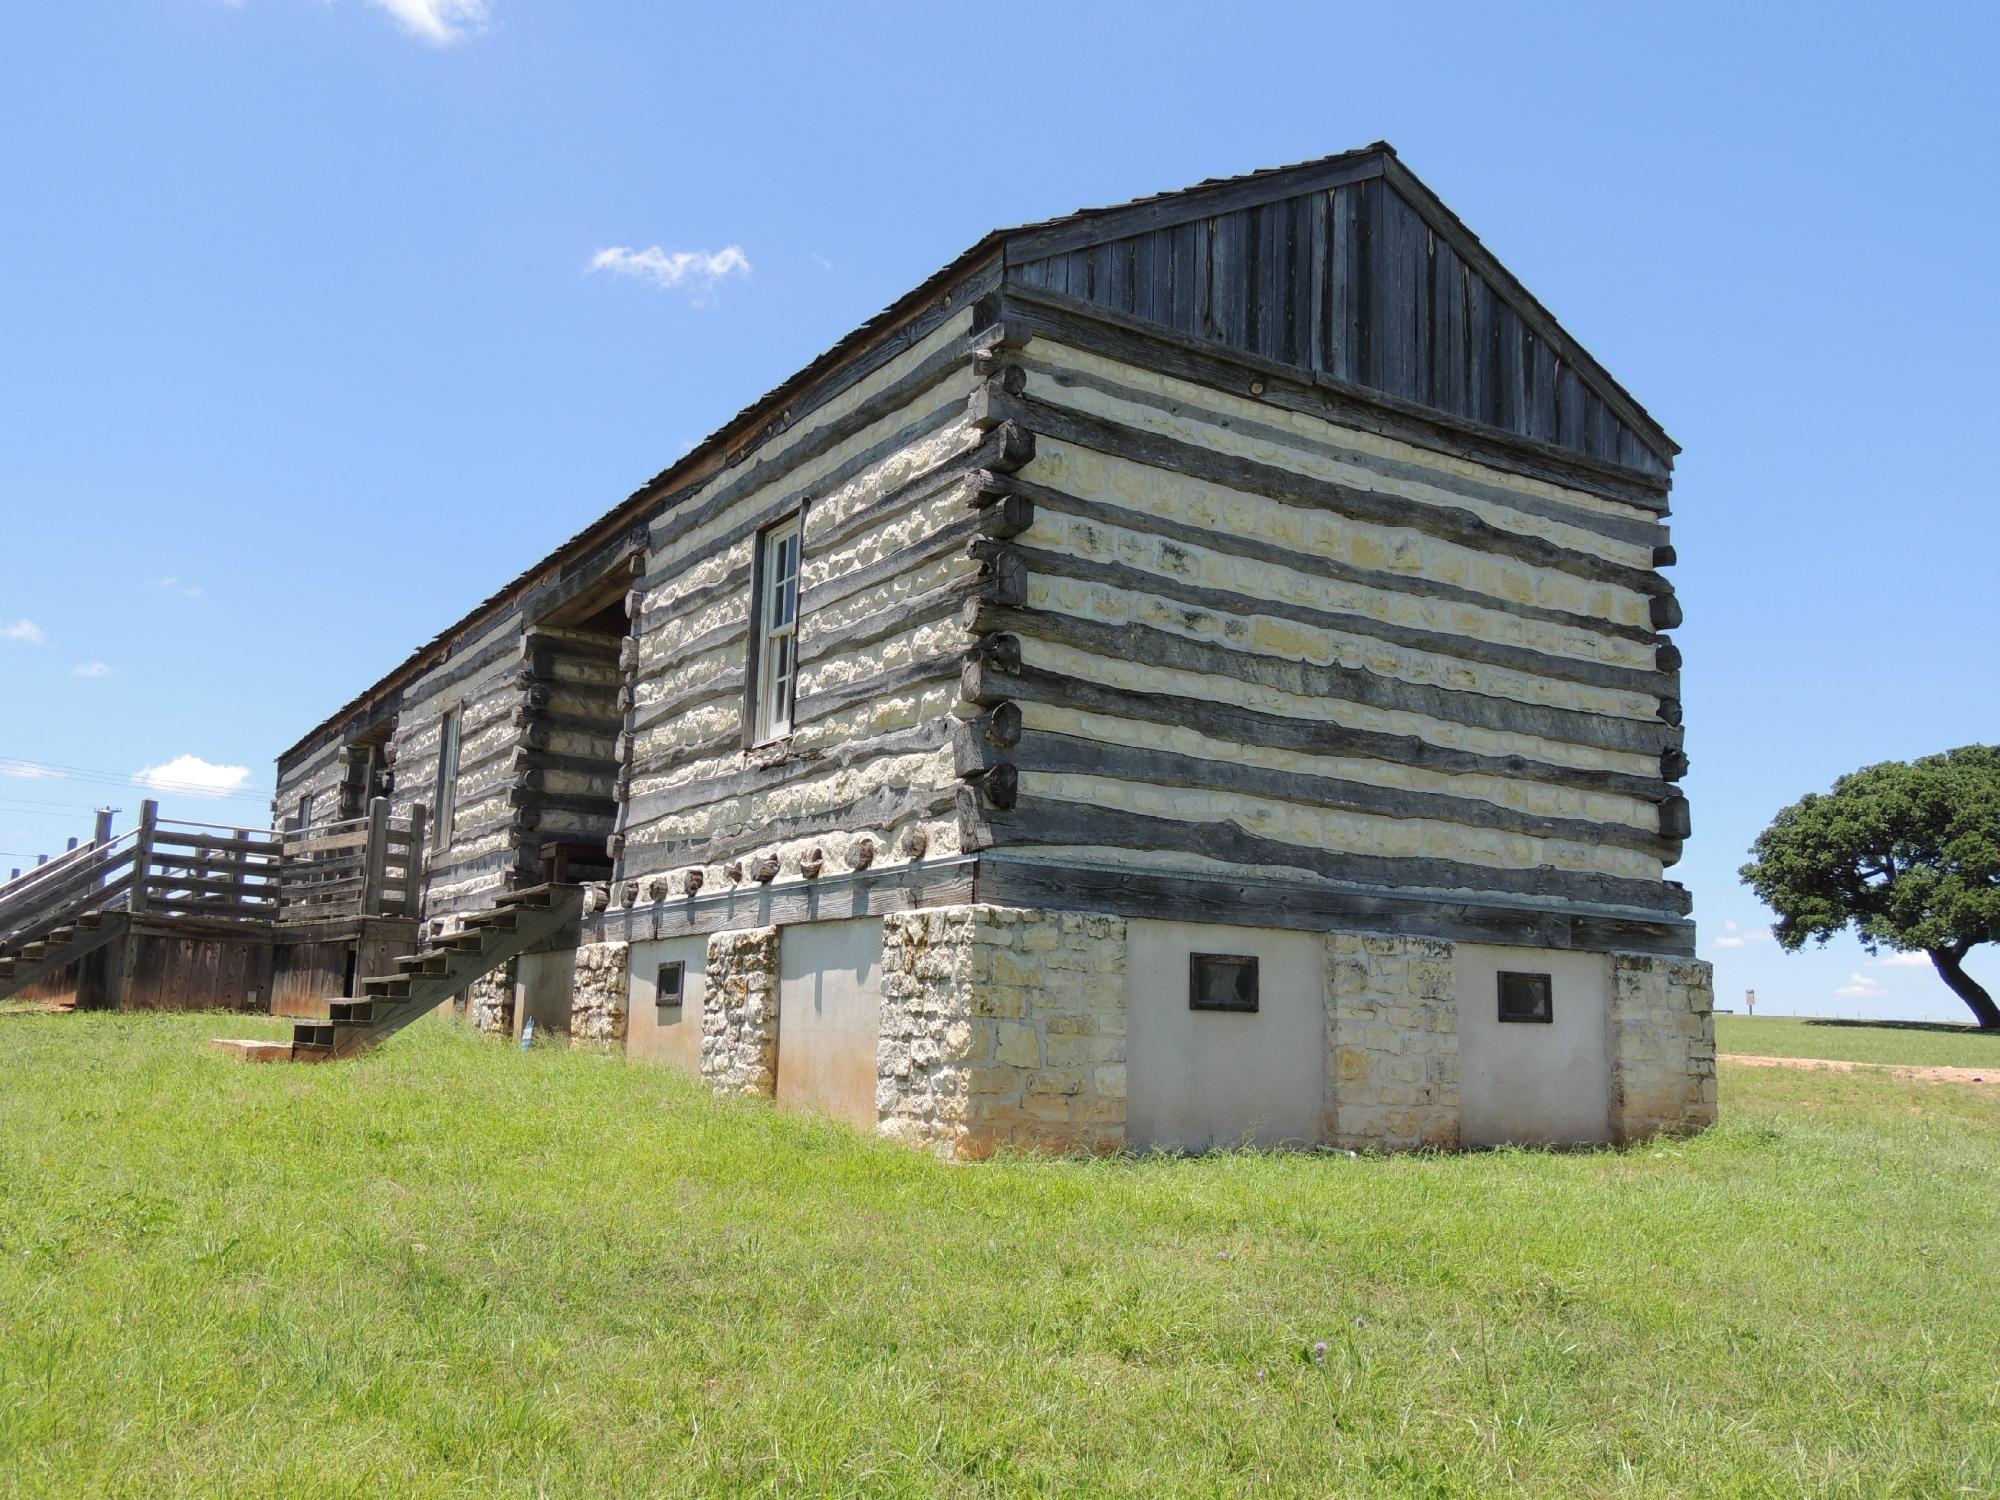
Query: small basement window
pixel 1222 981
pixel 1526 997
pixel 669 990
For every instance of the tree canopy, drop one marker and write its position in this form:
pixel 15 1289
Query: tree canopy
pixel 1907 852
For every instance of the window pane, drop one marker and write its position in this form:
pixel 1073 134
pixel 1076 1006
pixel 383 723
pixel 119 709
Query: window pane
pixel 1222 981
pixel 1526 997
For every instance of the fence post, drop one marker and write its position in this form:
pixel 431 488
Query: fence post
pixel 374 861
pixel 142 853
pixel 413 863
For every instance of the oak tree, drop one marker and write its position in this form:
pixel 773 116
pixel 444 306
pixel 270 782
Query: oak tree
pixel 1908 853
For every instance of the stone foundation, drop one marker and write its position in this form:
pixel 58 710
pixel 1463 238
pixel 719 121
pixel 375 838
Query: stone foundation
pixel 739 1021
pixel 1392 1043
pixel 1003 1027
pixel 598 1002
pixel 489 1001
pixel 1662 1046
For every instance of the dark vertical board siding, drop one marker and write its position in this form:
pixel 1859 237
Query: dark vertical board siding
pixel 1603 435
pixel 1448 320
pixel 1114 279
pixel 1511 357
pixel 1082 282
pixel 1352 281
pixel 1149 278
pixel 1542 389
pixel 1231 278
pixel 1314 292
pixel 1570 396
pixel 1184 297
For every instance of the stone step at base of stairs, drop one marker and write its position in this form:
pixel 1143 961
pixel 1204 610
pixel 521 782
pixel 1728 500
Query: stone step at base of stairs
pixel 253 1049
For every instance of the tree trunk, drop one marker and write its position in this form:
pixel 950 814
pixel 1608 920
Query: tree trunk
pixel 1966 988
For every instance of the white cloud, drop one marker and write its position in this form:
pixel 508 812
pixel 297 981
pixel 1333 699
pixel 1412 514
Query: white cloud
pixel 439 22
pixel 185 590
pixel 1861 986
pixel 1904 961
pixel 1742 937
pixel 699 272
pixel 21 770
pixel 194 776
pixel 820 260
pixel 90 669
pixel 22 630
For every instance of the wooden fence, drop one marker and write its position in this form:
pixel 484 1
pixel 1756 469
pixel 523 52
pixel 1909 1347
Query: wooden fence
pixel 361 867
pixel 364 867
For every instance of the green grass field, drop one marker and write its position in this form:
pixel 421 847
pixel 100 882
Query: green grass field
pixel 1915 1043
pixel 454 1269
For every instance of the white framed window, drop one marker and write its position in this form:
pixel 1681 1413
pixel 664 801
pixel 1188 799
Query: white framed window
pixel 774 678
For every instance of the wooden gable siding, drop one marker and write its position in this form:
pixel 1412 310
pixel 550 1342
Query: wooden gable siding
pixel 1351 282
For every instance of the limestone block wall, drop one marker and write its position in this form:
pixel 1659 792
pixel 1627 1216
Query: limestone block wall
pixel 739 1021
pixel 1392 1037
pixel 1003 1027
pixel 598 1003
pixel 489 1001
pixel 1662 1042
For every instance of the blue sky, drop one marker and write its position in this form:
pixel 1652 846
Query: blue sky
pixel 302 351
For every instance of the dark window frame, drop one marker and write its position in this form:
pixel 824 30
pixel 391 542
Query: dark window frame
pixel 678 967
pixel 446 802
pixel 1540 1012
pixel 1240 1006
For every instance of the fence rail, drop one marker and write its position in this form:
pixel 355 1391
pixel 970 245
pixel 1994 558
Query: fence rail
pixel 358 867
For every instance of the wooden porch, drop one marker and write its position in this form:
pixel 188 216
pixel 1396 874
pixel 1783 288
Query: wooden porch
pixel 185 915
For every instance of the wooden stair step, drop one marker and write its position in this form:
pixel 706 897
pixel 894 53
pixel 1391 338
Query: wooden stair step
pixel 531 896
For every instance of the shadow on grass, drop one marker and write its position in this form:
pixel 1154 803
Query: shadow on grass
pixel 1953 1028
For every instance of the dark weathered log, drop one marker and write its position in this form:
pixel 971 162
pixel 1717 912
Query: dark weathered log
pixel 1665 612
pixel 1667 657
pixel 812 862
pixel 1069 755
pixel 860 853
pixel 1049 821
pixel 1317 907
pixel 1673 763
pixel 1248 726
pixel 884 808
pixel 1003 571
pixel 1151 524
pixel 1002 514
pixel 650 807
pixel 1161 648
pixel 764 869
pixel 1676 821
pixel 1457 525
pixel 1001 786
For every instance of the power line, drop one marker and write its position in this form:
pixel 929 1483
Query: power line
pixel 40 770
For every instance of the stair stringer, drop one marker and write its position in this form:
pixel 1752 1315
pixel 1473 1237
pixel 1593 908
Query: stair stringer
pixel 92 931
pixel 523 920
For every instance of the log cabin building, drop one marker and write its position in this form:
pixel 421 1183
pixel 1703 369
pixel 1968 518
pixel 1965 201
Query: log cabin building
pixel 1189 672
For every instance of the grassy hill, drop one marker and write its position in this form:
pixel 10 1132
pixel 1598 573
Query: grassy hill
pixel 454 1269
pixel 1923 1044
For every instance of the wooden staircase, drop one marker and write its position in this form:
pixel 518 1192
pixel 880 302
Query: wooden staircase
pixel 389 1002
pixel 50 952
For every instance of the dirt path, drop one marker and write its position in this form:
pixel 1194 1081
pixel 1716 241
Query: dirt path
pixel 1894 1070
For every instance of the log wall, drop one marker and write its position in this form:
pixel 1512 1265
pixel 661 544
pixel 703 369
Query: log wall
pixel 891 473
pixel 1261 645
